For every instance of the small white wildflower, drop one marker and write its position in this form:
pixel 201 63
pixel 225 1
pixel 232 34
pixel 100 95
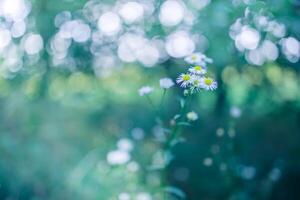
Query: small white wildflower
pixel 198 70
pixel 235 112
pixel 192 116
pixel 275 174
pixel 184 80
pixel 118 157
pixel 125 144
pixel 231 133
pixel 198 59
pixel 248 172
pixel 223 167
pixel 208 83
pixel 207 161
pixel 166 83
pixel 124 196
pixel 145 90
pixel 137 133
pixel 133 166
pixel 220 132
pixel 143 196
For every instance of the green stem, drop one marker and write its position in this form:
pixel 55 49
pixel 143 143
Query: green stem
pixel 161 108
pixel 153 106
pixel 176 132
pixel 150 101
pixel 162 98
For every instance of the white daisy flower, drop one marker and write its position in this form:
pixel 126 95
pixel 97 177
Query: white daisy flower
pixel 196 82
pixel 184 80
pixel 198 70
pixel 192 116
pixel 145 90
pixel 166 83
pixel 198 59
pixel 208 83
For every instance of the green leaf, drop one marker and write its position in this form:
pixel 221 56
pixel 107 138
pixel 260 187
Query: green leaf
pixel 182 103
pixel 175 191
pixel 176 116
pixel 176 141
pixel 183 124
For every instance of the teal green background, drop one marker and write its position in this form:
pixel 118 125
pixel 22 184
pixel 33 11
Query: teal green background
pixel 57 126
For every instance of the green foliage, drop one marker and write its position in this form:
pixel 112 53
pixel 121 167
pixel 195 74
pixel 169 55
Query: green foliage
pixel 59 123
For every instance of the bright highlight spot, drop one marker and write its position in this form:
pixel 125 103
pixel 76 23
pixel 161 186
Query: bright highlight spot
pixel 109 23
pixel 179 44
pixel 131 12
pixel 33 44
pixel 118 157
pixel 171 13
pixel 5 38
pixel 247 39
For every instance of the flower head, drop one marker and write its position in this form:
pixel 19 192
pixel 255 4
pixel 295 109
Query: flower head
pixel 198 59
pixel 208 83
pixel 184 80
pixel 166 83
pixel 192 116
pixel 145 90
pixel 198 70
pixel 117 157
pixel 196 82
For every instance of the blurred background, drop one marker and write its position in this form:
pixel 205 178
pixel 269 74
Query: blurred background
pixel 72 125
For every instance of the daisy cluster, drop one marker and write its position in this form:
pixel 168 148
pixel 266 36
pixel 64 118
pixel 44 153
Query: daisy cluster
pixel 195 78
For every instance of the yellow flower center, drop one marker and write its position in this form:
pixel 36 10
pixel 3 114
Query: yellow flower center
pixel 194 57
pixel 198 68
pixel 186 77
pixel 196 82
pixel 208 81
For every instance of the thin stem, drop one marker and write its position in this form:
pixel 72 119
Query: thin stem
pixel 150 101
pixel 162 98
pixel 153 106
pixel 177 129
pixel 161 108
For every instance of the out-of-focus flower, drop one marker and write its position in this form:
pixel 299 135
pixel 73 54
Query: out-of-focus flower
pixel 143 196
pixel 118 157
pixel 192 116
pixel 198 70
pixel 208 83
pixel 184 80
pixel 166 83
pixel 171 13
pixel 125 144
pixel 133 166
pixel 198 59
pixel 248 38
pixel 124 196
pixel 131 12
pixel 235 112
pixel 145 90
pixel 179 44
pixel 207 161
pixel 109 23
